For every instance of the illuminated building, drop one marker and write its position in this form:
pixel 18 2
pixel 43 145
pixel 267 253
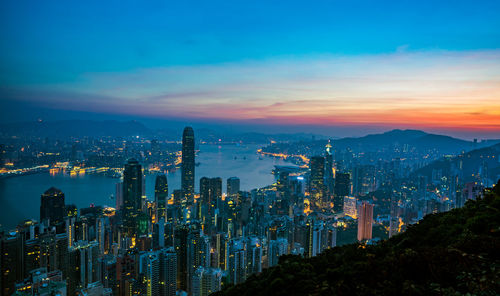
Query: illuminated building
pixel 365 221
pixel 161 196
pixel 83 265
pixel 254 256
pixel 206 281
pixel 11 262
pixel 236 261
pixel 350 207
pixel 132 195
pixel 187 174
pixel 42 283
pixel 210 196
pixel 52 206
pixel 181 246
pixel 329 168
pixel 168 272
pixel 149 267
pixel 317 180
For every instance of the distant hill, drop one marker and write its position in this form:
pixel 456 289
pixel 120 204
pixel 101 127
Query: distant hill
pixel 78 128
pixel 484 160
pixel 453 253
pixel 420 140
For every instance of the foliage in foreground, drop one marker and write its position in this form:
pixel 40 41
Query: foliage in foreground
pixel 451 253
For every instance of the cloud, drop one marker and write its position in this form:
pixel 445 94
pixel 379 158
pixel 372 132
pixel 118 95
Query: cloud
pixel 427 88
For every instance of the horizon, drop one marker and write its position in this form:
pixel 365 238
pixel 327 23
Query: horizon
pixel 160 125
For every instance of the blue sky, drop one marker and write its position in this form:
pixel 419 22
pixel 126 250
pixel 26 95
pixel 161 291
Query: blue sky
pixel 62 54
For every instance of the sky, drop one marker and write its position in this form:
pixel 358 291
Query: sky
pixel 338 67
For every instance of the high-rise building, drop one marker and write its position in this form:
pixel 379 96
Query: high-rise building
pixel 254 255
pixel 149 267
pixel 206 281
pixel 168 272
pixel 11 262
pixel 187 177
pixel 181 249
pixel 317 180
pixel 83 265
pixel 236 261
pixel 233 186
pixel 119 195
pixel 329 168
pixel 161 196
pixel 350 207
pixel 210 194
pixel 276 248
pixel 132 195
pixel 365 221
pixel 342 189
pixel 364 180
pixel 52 206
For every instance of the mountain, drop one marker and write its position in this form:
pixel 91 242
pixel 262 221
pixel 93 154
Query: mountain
pixel 484 162
pixel 452 253
pixel 419 140
pixel 77 128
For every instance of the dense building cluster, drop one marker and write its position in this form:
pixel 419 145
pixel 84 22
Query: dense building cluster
pixel 193 243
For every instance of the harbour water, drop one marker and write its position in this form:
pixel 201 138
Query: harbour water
pixel 20 196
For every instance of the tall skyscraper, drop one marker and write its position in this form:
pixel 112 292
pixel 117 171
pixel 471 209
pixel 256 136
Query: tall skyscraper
pixel 132 194
pixel 317 180
pixel 329 168
pixel 52 206
pixel 161 196
pixel 365 221
pixel 233 186
pixel 187 178
pixel 342 189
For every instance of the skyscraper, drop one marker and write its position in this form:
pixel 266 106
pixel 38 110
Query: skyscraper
pixel 210 192
pixel 365 221
pixel 52 206
pixel 342 189
pixel 168 272
pixel 132 194
pixel 233 186
pixel 187 178
pixel 150 268
pixel 317 180
pixel 329 168
pixel 350 206
pixel 161 196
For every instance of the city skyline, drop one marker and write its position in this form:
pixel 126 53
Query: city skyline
pixel 437 70
pixel 236 148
